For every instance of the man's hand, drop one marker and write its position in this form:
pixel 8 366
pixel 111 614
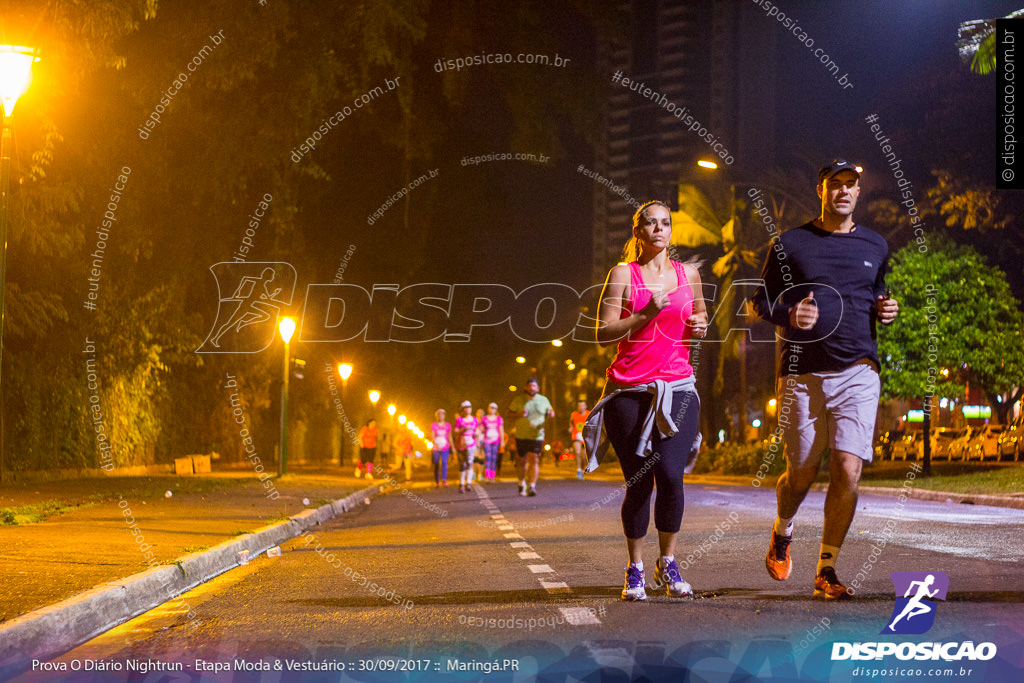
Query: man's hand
pixel 804 315
pixel 887 309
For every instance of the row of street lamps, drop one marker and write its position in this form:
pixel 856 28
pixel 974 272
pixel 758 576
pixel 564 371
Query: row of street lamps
pixel 286 327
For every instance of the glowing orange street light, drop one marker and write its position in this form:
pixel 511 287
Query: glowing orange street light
pixel 287 328
pixel 15 76
pixel 344 371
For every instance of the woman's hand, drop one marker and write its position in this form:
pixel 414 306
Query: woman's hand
pixel 698 323
pixel 659 300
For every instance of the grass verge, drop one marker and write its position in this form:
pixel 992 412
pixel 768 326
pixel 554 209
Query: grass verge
pixel 37 512
pixel 994 480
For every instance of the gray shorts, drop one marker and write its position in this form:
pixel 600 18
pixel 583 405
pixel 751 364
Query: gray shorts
pixel 829 409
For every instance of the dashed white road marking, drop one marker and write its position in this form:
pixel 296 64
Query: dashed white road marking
pixel 556 587
pixel 577 616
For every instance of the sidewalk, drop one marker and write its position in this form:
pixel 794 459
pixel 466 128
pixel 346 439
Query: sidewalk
pixel 45 562
pixel 122 545
pixel 116 547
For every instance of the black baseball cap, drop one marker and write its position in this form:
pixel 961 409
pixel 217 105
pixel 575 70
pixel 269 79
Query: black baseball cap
pixel 833 167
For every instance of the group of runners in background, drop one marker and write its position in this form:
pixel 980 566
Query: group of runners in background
pixel 480 441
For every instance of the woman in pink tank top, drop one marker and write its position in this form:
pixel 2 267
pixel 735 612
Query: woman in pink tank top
pixel 651 306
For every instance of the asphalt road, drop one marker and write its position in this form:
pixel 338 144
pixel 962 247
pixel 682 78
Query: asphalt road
pixel 489 575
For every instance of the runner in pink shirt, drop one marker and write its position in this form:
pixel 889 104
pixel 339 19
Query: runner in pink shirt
pixel 651 306
pixel 465 443
pixel 477 472
pixel 494 427
pixel 441 437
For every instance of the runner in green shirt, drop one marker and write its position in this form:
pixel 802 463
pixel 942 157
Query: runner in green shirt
pixel 530 409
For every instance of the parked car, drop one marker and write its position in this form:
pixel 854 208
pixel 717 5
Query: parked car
pixel 910 447
pixel 957 448
pixel 1011 441
pixel 941 439
pixel 984 442
pixel 886 442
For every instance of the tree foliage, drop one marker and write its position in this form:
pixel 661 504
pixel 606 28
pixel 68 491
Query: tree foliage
pixel 956 314
pixel 222 141
pixel 976 43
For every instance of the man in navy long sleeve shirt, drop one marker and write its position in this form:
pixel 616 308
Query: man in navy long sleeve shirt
pixel 825 287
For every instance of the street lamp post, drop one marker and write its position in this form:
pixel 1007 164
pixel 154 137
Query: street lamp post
pixel 287 329
pixel 15 76
pixel 374 397
pixel 392 409
pixel 345 371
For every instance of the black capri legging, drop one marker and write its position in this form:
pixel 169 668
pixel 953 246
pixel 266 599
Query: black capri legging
pixel 623 420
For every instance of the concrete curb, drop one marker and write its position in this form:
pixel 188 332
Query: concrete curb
pixel 941 496
pixel 50 631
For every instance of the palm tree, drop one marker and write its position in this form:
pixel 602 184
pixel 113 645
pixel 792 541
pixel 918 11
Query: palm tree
pixel 976 43
pixel 697 224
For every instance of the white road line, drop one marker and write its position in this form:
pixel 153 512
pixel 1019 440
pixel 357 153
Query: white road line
pixel 555 586
pixel 579 616
pixel 575 616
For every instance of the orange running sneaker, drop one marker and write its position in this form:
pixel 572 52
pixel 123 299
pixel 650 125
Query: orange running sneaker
pixel 827 586
pixel 777 561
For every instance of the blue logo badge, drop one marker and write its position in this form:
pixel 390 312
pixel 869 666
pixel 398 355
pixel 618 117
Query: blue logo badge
pixel 914 612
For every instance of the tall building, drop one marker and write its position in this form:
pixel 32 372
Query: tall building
pixel 706 61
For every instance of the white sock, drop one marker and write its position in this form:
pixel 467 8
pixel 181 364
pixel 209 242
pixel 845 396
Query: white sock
pixel 639 565
pixel 827 557
pixel 522 482
pixel 665 559
pixel 783 527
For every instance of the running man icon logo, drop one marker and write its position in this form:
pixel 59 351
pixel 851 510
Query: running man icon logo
pixel 247 318
pixel 914 613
